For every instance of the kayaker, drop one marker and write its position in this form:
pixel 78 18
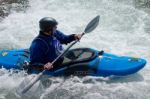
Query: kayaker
pixel 48 44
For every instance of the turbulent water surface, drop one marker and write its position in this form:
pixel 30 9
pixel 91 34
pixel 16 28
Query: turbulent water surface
pixel 124 29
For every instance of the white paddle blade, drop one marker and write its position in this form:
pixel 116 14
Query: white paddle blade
pixel 92 24
pixel 33 91
pixel 30 83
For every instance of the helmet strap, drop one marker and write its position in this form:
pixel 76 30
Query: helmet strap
pixel 48 33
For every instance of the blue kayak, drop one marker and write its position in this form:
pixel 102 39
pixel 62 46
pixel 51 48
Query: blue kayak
pixel 80 61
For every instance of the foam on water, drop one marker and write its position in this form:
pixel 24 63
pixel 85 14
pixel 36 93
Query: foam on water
pixel 123 30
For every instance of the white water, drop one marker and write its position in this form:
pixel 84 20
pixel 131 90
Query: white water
pixel 123 30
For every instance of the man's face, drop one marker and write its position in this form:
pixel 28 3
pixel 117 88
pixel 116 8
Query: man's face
pixel 54 29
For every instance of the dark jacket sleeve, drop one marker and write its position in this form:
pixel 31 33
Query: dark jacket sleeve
pixel 37 52
pixel 64 39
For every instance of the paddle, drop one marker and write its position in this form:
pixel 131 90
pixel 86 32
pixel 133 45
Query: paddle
pixel 90 27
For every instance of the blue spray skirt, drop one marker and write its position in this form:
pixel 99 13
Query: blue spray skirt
pixel 81 61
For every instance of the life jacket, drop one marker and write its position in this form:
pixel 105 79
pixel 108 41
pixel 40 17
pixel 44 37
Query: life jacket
pixel 47 48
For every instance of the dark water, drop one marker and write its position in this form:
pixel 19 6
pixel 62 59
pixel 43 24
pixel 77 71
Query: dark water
pixel 6 6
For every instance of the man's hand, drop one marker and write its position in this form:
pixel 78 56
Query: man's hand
pixel 78 36
pixel 48 66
